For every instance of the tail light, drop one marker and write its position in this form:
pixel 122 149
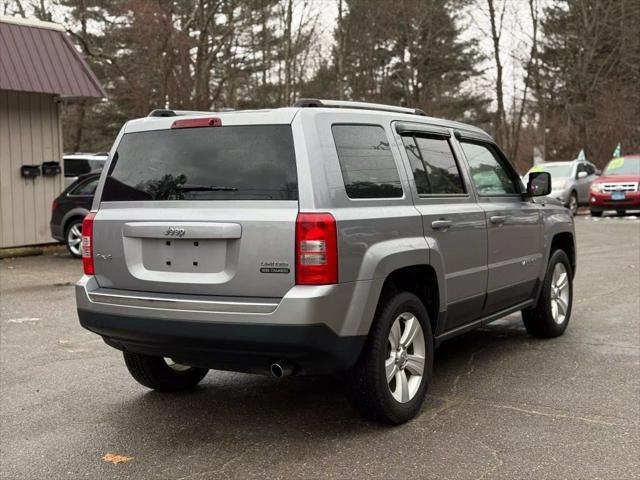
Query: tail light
pixel 87 244
pixel 54 204
pixel 316 249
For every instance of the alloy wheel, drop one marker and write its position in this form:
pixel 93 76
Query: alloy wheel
pixel 404 366
pixel 560 293
pixel 573 204
pixel 74 238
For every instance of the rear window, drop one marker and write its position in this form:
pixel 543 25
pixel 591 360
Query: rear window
pixel 74 167
pixel 255 162
pixel 368 168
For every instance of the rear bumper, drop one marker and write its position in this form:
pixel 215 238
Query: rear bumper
pixel 318 329
pixel 56 232
pixel 243 348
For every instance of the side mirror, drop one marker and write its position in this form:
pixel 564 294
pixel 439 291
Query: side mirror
pixel 582 174
pixel 539 184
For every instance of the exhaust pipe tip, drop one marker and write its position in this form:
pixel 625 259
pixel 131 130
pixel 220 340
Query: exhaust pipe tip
pixel 281 369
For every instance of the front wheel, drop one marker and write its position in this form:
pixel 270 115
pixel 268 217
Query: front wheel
pixel 573 203
pixel 550 317
pixel 596 213
pixel 162 374
pixel 390 380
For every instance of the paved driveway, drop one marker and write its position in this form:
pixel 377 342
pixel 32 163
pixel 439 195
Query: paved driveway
pixel 502 405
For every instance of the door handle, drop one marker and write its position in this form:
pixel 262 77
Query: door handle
pixel 441 224
pixel 498 219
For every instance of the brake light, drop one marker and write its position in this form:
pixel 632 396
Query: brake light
pixel 87 244
pixel 316 249
pixel 54 204
pixel 197 122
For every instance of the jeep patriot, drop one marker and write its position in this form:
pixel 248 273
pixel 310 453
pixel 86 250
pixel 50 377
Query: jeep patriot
pixel 329 237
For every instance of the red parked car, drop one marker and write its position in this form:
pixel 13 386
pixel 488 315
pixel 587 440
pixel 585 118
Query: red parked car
pixel 617 187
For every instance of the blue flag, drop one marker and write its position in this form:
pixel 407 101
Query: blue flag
pixel 617 152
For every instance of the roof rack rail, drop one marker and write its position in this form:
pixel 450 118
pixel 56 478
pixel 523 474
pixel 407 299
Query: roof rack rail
pixel 314 102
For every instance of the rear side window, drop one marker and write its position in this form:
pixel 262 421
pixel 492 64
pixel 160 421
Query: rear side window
pixel 434 167
pixel 86 189
pixel 368 168
pixel 250 162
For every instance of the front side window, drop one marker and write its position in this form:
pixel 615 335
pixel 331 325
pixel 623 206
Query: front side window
pixel 434 167
pixel 368 168
pixel 489 175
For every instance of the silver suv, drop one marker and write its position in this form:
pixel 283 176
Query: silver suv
pixel 326 237
pixel 571 181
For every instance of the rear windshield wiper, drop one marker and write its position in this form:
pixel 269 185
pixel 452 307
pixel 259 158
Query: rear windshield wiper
pixel 205 188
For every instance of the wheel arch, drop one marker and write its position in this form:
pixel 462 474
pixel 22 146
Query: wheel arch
pixel 422 281
pixel 566 242
pixel 72 215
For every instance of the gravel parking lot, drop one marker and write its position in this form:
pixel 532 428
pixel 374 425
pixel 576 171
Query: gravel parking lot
pixel 502 404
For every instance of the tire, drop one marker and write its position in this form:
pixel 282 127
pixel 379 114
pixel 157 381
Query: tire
pixel 156 373
pixel 596 213
pixel 549 318
pixel 573 203
pixel 73 237
pixel 367 385
pixel 621 213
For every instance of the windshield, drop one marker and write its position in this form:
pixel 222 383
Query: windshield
pixel 250 162
pixel 623 166
pixel 556 171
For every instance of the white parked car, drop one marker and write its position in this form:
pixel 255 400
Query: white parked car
pixel 77 164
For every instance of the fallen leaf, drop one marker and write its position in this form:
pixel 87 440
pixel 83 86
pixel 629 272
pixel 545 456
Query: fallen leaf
pixel 115 458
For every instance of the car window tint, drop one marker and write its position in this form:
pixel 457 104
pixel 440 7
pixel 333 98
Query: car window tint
pixel 442 171
pixel 87 188
pixel 417 166
pixel 590 169
pixel 488 174
pixel 368 168
pixel 248 162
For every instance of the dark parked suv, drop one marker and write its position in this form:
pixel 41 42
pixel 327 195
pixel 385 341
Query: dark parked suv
pixel 327 237
pixel 70 208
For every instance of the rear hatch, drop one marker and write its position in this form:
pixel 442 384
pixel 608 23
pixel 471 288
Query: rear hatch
pixel 207 211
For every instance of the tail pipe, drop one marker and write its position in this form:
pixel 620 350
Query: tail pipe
pixel 282 368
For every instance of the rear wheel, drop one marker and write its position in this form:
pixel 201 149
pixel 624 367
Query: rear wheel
pixel 550 317
pixel 162 374
pixel 73 237
pixel 390 380
pixel 596 213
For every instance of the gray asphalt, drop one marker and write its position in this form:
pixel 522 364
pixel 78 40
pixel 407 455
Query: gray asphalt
pixel 502 404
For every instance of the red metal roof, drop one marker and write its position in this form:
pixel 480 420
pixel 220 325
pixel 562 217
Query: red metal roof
pixel 39 57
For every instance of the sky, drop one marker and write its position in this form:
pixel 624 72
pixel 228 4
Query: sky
pixel 474 20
